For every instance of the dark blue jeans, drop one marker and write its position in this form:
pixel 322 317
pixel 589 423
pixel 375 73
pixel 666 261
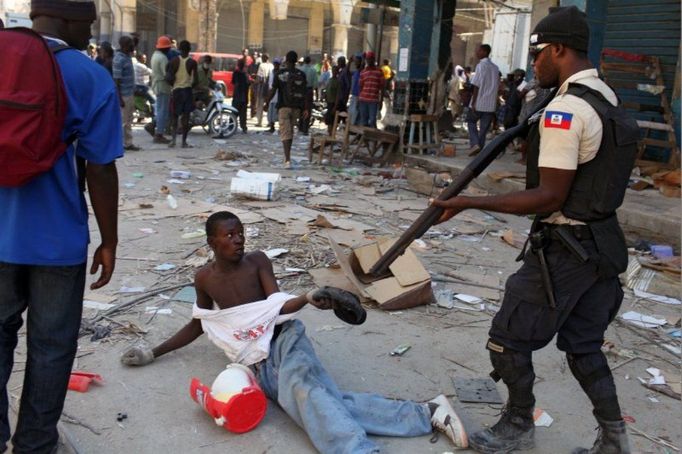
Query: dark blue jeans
pixel 477 135
pixel 368 113
pixel 53 298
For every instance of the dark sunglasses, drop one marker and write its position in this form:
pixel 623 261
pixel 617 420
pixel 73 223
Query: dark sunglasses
pixel 534 51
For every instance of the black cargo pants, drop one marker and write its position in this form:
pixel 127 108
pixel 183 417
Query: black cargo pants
pixel 585 303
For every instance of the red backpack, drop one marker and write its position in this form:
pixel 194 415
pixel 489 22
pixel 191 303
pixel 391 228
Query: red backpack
pixel 32 106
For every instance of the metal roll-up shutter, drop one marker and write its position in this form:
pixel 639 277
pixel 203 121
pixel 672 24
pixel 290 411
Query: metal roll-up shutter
pixel 231 36
pixel 647 27
pixel 281 36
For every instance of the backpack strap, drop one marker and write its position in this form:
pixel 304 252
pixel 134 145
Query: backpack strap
pixel 81 165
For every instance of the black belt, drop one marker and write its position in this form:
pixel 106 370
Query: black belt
pixel 580 232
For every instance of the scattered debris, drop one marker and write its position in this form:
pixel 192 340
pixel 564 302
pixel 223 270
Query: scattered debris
pixel 164 267
pixel 643 321
pixel 444 298
pixel 98 301
pixel 657 298
pixel 172 203
pixel 542 418
pixel 400 350
pixel 186 295
pixel 514 239
pixel 198 233
pixel 125 289
pixel 225 155
pixel 89 304
pixel 157 310
pixel 272 253
pixel 80 381
pixel 184 174
pixel 255 185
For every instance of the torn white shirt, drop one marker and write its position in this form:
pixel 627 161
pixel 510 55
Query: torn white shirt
pixel 244 332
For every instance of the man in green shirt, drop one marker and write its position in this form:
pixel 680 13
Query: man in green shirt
pixel 161 88
pixel 205 82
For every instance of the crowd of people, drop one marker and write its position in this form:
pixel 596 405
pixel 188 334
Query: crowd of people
pixel 485 101
pixel 567 287
pixel 174 84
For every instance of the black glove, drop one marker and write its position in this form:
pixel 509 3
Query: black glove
pixel 345 304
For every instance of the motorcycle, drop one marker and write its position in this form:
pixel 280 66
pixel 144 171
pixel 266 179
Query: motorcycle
pixel 143 108
pixel 318 112
pixel 216 117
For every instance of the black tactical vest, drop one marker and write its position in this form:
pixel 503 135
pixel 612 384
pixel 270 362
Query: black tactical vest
pixel 599 185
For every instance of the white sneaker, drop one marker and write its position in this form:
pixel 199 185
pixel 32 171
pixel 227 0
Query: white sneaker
pixel 446 420
pixel 287 165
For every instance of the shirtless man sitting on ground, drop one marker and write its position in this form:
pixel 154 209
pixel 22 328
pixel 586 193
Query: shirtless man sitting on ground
pixel 238 286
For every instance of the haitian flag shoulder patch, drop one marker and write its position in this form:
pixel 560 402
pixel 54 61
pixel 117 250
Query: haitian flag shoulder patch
pixel 559 120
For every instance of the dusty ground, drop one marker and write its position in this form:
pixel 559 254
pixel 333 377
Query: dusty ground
pixel 445 343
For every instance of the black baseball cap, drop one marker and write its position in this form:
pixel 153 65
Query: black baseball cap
pixel 563 25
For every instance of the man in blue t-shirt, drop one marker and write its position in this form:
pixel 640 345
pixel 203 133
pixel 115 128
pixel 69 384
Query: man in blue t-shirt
pixel 44 233
pixel 355 89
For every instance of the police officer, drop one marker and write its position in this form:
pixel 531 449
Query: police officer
pixel 568 283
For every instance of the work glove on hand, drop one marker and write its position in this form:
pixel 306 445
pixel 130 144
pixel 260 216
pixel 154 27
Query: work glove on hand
pixel 345 304
pixel 137 355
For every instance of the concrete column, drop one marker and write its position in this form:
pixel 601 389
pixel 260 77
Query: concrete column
pixel 342 10
pixel 370 33
pixel 340 44
pixel 193 25
pixel 279 9
pixel 160 17
pixel 540 10
pixel 255 26
pixel 128 20
pixel 105 26
pixel 393 43
pixel 181 11
pixel 207 25
pixel 315 29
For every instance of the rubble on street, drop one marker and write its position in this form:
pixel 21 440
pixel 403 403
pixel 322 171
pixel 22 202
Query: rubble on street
pixel 309 220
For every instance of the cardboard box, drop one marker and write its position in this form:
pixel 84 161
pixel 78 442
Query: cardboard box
pixel 255 185
pixel 408 285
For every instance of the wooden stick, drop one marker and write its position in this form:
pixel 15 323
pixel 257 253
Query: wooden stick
pixel 652 438
pixel 663 389
pixel 137 300
pixel 67 418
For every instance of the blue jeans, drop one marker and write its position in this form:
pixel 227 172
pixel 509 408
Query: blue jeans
pixel 368 113
pixel 162 112
pixel 337 422
pixel 353 110
pixel 477 136
pixel 272 113
pixel 53 296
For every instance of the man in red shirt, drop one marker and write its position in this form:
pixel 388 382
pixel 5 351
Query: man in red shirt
pixel 371 84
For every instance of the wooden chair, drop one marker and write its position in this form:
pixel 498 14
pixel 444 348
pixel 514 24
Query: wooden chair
pixel 323 140
pixel 423 134
pixel 352 134
pixel 373 139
